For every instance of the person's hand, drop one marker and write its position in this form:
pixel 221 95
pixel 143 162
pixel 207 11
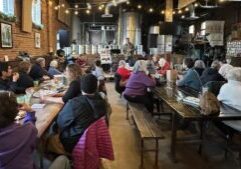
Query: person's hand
pixel 15 77
pixel 46 77
pixel 26 107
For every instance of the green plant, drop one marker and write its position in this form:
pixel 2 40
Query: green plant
pixel 38 26
pixel 8 18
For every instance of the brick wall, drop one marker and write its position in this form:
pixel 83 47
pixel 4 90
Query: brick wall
pixel 23 41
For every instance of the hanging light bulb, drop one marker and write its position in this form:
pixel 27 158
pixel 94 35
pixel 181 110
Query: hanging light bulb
pixel 67 11
pixel 162 12
pixel 196 4
pixel 151 10
pixel 139 6
pixel 179 11
pixel 87 11
pixel 186 9
pixel 76 12
pixel 76 6
pixel 183 16
pixel 128 2
pixel 56 7
pixel 100 8
pixel 173 12
pixel 63 5
pixel 50 3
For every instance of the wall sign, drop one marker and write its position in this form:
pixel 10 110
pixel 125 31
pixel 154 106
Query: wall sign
pixel 37 40
pixel 6 35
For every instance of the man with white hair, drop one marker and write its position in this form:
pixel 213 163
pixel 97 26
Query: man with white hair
pixel 230 94
pixel 53 68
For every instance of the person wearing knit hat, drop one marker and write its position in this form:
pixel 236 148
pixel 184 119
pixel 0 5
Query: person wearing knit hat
pixel 80 112
pixel 89 84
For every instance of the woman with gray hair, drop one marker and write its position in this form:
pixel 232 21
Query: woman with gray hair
pixel 136 87
pixel 230 94
pixel 53 68
pixel 199 66
pixel 38 71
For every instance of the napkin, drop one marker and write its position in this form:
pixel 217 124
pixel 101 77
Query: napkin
pixel 37 106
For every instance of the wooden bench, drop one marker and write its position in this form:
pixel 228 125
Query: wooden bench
pixel 146 126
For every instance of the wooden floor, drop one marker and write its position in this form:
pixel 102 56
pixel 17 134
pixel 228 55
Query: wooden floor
pixel 126 145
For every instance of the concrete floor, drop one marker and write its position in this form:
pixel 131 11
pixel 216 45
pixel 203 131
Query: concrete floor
pixel 126 143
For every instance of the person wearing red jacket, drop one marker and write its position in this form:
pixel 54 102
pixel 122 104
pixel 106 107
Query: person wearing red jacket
pixel 123 71
pixel 165 65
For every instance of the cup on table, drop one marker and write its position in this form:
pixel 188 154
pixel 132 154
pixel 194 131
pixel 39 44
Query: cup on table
pixel 21 99
pixel 204 89
pixel 36 83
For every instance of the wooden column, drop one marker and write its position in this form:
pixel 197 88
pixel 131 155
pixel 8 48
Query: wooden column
pixel 169 10
pixel 27 16
pixel 50 25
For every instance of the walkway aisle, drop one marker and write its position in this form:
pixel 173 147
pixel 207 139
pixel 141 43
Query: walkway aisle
pixel 126 146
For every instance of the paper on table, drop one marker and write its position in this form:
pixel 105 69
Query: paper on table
pixel 37 106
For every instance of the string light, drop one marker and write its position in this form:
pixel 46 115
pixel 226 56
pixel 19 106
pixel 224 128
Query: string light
pixel 50 3
pixel 56 7
pixel 100 8
pixel 88 6
pixel 76 12
pixel 63 5
pixel 182 16
pixel 128 2
pixel 163 12
pixel 179 11
pixel 196 4
pixel 173 12
pixel 67 11
pixel 139 6
pixel 76 6
pixel 87 11
pixel 151 10
pixel 186 9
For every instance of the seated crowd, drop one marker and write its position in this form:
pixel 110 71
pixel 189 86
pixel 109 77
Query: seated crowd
pixel 83 105
pixel 85 100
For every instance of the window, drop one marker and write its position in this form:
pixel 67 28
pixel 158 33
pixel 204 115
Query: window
pixel 7 7
pixel 192 29
pixel 36 12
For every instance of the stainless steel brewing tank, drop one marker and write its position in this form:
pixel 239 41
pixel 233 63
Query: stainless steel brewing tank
pixel 129 27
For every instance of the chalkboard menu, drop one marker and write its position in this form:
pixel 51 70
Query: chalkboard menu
pixel 233 48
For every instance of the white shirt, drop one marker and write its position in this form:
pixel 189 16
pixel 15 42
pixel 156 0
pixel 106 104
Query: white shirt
pixel 230 94
pixel 99 73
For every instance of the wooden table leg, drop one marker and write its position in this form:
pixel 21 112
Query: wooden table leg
pixel 173 137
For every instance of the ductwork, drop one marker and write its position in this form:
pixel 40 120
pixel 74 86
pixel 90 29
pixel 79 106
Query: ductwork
pixel 113 3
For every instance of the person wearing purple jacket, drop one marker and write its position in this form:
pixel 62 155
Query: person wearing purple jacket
pixel 136 87
pixel 18 141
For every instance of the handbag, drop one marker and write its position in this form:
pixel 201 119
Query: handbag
pixel 209 104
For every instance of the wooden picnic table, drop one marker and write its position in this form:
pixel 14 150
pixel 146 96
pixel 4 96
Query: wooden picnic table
pixel 169 95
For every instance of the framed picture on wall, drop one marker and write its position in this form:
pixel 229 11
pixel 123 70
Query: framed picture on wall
pixel 37 40
pixel 6 35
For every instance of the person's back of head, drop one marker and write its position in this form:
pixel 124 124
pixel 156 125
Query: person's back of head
pixel 98 63
pixel 199 64
pixel 54 64
pixel 189 62
pixel 89 84
pixel 234 74
pixel 122 63
pixel 140 66
pixel 73 71
pixel 3 67
pixel 8 108
pixel 215 65
pixel 40 61
pixel 24 67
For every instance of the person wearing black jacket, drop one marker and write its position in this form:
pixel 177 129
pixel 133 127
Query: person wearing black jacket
pixel 73 74
pixel 211 74
pixel 24 81
pixel 8 80
pixel 38 71
pixel 80 112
